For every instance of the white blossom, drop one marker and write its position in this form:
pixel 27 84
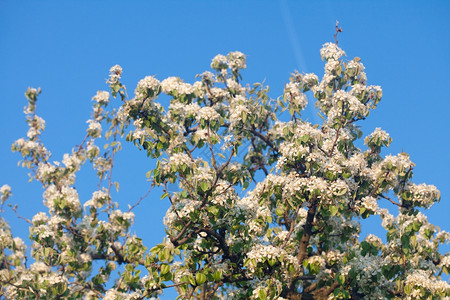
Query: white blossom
pixel 102 97
pixel 331 51
pixel 147 87
pixel 94 129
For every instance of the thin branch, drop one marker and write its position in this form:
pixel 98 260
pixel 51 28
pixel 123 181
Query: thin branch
pixel 338 29
pixel 190 130
pixel 265 139
pixel 187 182
pixel 171 203
pixel 110 183
pixel 390 200
pixel 336 139
pixel 222 243
pixel 180 234
pixel 118 257
pixel 214 289
pixel 219 172
pixel 378 185
pixel 14 209
pixel 191 293
pixel 143 197
pixel 291 229
pixel 213 157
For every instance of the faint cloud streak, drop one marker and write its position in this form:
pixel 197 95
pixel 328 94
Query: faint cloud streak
pixel 297 50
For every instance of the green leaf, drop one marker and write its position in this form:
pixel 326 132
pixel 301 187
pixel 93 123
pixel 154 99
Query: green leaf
pixel 291 110
pixel 200 278
pixel 204 186
pixel 413 241
pixel 147 261
pixel 246 262
pixel 213 209
pixel 408 289
pixel 279 212
pixel 191 280
pixel 341 192
pixel 167 276
pixel 217 276
pixel 246 184
pixel 314 268
pixel 405 241
pixel 291 269
pixel 333 210
pixel 165 269
pixel 164 255
pixel 262 294
pixel 244 116
pixel 305 263
pixel 341 279
pixel 416 226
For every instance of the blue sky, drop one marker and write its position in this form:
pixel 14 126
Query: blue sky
pixel 67 48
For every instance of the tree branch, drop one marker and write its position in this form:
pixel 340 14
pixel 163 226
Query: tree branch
pixel 338 29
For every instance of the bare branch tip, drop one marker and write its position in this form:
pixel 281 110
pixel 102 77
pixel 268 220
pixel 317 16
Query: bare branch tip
pixel 338 29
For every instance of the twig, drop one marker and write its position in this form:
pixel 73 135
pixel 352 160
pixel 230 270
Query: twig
pixel 175 240
pixel 213 158
pixel 335 140
pixel 338 29
pixel 390 200
pixel 264 138
pixel 165 190
pixel 14 209
pixel 291 229
pixel 142 198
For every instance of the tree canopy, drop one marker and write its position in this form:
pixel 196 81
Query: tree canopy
pixel 269 205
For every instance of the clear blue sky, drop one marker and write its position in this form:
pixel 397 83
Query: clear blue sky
pixel 67 48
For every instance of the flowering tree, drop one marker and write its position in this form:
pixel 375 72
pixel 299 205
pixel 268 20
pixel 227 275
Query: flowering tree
pixel 268 206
